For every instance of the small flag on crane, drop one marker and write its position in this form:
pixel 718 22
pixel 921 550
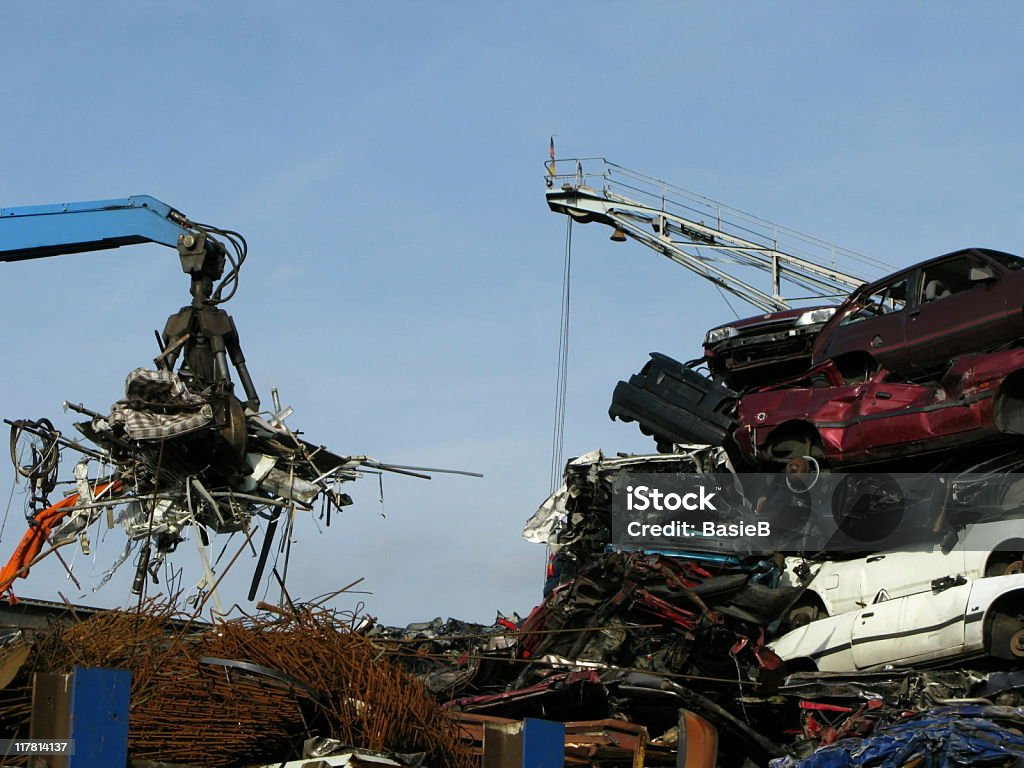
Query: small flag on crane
pixel 551 152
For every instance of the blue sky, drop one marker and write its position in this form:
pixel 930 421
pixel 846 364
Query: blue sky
pixel 385 162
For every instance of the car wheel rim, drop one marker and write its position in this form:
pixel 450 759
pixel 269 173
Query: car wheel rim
pixel 1017 643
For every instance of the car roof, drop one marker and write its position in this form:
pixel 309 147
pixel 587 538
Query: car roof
pixel 928 262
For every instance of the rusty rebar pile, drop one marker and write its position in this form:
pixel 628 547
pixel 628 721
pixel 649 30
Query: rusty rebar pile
pixel 252 690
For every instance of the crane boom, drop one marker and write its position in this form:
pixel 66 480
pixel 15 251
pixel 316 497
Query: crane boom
pixel 204 334
pixel 715 241
pixel 38 231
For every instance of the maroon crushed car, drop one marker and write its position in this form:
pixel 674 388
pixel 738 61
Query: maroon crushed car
pixel 979 398
pixel 765 348
pixel 916 320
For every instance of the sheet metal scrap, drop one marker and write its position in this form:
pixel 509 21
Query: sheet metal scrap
pixel 451 656
pixel 247 691
pixel 165 458
pixel 344 758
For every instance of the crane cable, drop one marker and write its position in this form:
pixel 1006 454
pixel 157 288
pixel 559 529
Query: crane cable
pixel 558 432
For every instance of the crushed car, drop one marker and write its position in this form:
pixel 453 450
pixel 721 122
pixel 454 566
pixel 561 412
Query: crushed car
pixel 755 351
pixel 675 404
pixel 834 586
pixel 979 399
pixel 823 414
pixel 953 619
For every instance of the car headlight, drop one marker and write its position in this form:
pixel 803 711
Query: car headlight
pixel 716 335
pixel 814 316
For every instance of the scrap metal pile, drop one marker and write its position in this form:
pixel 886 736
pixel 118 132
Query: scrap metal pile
pixel 243 692
pixel 181 449
pixel 797 654
pixel 161 461
pixel 631 638
pixel 786 652
pixel 649 639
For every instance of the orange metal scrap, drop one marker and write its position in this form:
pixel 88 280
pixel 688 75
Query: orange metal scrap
pixel 38 532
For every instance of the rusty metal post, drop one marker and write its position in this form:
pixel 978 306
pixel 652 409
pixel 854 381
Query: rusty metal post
pixel 698 741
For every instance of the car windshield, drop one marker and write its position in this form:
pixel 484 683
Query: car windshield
pixel 884 300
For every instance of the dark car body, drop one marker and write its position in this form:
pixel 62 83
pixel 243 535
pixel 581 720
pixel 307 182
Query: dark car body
pixel 675 404
pixel 916 320
pixel 979 398
pixel 763 349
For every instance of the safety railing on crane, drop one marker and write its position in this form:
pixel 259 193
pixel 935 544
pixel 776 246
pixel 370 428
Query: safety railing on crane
pixel 715 240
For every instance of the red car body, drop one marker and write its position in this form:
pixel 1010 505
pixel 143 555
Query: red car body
pixel 979 398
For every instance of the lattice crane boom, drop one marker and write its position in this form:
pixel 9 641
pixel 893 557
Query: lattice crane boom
pixel 725 246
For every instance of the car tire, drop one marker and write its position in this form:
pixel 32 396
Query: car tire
pixel 1006 637
pixel 1004 564
pixel 803 614
pixel 796 445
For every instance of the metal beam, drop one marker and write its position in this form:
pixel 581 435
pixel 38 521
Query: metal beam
pixel 34 232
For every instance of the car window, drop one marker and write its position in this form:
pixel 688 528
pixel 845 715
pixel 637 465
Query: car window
pixel 949 277
pixel 885 300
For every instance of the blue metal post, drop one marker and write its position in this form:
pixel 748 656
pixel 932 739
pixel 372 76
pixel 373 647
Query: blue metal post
pixel 543 744
pixel 99 717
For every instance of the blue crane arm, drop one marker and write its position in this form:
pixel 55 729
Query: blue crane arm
pixel 207 334
pixel 34 232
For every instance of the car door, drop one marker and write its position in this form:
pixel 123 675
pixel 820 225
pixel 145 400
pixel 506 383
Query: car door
pixel 912 629
pixel 837 583
pixel 875 633
pixel 872 324
pixel 908 570
pixel 885 414
pixel 956 313
pixel 932 623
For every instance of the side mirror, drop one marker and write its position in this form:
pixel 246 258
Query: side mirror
pixel 981 274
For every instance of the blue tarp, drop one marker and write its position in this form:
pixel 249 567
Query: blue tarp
pixel 948 737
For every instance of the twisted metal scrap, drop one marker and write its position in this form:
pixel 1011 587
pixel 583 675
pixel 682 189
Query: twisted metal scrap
pixel 326 681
